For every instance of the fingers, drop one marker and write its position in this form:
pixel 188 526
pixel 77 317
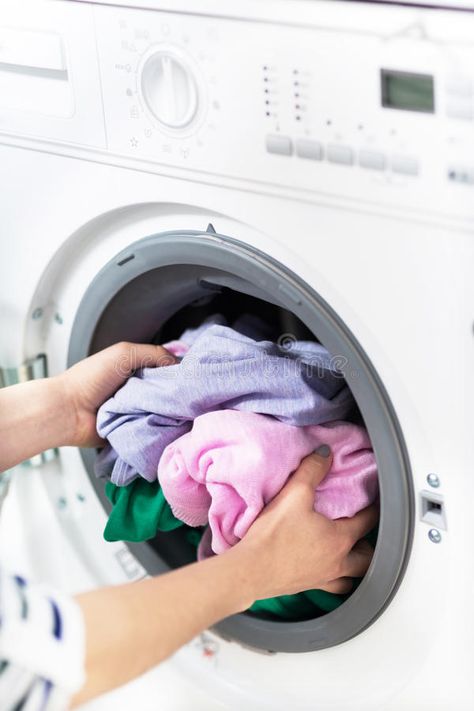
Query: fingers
pixel 355 566
pixel 360 524
pixel 341 586
pixel 300 488
pixel 358 560
pixel 95 441
pixel 141 355
pixel 313 469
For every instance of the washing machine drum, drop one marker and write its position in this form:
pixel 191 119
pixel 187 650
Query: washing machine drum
pixel 162 283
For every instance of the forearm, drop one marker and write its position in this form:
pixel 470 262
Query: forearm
pixel 33 417
pixel 146 622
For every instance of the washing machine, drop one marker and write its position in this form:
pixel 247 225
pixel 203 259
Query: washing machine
pixel 309 162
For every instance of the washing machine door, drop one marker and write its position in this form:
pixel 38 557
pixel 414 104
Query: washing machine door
pixel 133 298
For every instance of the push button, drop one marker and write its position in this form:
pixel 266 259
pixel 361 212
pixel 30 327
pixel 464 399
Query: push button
pixel 281 145
pixel 309 149
pixel 340 154
pixel 460 109
pixel 460 86
pixel 461 175
pixel 405 165
pixel 372 160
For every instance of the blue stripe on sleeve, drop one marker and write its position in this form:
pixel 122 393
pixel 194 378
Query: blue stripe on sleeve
pixel 57 620
pixel 20 586
pixel 47 687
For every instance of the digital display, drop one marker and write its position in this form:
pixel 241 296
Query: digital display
pixel 407 91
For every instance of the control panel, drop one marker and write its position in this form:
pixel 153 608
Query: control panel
pixel 378 110
pixel 388 118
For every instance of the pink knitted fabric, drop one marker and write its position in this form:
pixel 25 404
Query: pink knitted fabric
pixel 232 463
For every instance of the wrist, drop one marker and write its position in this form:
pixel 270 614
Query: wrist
pixel 66 410
pixel 242 568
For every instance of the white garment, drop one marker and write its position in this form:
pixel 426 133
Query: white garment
pixel 42 646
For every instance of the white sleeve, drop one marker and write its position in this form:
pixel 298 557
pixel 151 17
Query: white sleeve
pixel 42 646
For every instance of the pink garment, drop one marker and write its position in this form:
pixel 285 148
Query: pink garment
pixel 232 463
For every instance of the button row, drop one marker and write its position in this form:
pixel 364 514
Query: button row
pixel 460 86
pixel 460 98
pixel 460 174
pixel 460 109
pixel 340 154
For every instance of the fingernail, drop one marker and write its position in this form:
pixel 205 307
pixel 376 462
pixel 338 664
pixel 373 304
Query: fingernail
pixel 323 450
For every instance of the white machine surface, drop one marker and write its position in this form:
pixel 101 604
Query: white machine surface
pixel 337 139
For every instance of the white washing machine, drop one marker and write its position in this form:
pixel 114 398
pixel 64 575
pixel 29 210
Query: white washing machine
pixel 314 160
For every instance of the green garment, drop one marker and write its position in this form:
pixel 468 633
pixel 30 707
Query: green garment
pixel 295 608
pixel 140 510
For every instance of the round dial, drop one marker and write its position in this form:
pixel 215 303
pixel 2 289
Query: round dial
pixel 169 89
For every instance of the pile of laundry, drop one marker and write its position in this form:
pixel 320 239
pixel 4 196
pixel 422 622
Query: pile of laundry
pixel 209 441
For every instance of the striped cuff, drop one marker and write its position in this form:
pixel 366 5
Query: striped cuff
pixel 42 631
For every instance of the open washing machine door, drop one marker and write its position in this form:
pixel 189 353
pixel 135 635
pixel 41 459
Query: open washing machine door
pixel 135 296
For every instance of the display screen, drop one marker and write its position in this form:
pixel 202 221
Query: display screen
pixel 407 91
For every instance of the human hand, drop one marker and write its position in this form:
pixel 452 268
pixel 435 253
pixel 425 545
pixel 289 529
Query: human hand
pixel 87 384
pixel 291 548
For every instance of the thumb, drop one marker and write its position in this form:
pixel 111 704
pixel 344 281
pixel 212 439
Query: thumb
pixel 145 355
pixel 314 467
pixel 140 355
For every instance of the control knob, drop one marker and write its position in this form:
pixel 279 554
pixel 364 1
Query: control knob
pixel 169 89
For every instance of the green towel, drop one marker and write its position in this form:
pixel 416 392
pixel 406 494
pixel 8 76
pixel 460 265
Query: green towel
pixel 140 510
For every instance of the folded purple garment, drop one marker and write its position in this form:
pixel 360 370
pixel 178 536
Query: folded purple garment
pixel 223 369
